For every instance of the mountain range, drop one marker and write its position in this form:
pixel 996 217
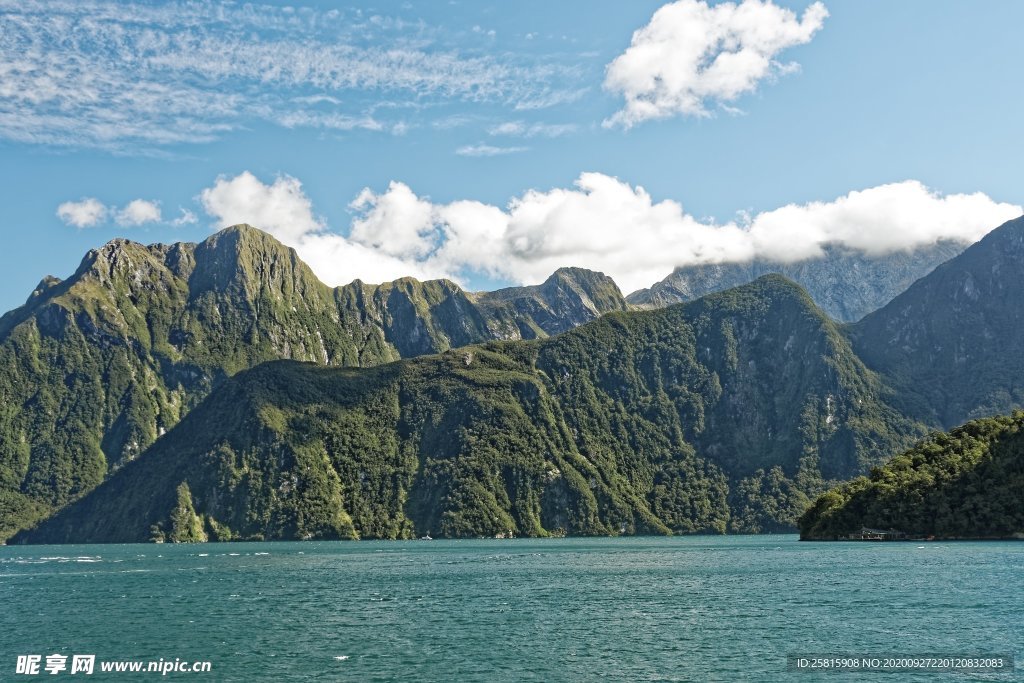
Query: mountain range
pixel 93 369
pixel 728 413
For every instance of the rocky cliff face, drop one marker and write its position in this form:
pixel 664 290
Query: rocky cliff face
pixel 726 414
pixel 846 284
pixel 567 299
pixel 96 367
pixel 953 343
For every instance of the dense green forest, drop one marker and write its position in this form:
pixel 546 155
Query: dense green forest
pixel 968 483
pixel 727 414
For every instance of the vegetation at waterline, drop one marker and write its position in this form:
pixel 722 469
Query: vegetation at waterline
pixel 968 483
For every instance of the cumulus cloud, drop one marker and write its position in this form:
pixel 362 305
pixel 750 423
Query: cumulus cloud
pixel 692 54
pixel 139 211
pixel 82 214
pixel 601 223
pixel 90 212
pixel 281 208
pixel 877 221
pixel 396 223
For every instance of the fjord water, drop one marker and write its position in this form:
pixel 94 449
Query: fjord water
pixel 684 608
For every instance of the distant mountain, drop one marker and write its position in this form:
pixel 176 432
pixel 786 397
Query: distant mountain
pixel 725 414
pixel 846 284
pixel 953 343
pixel 567 299
pixel 95 368
pixel 965 484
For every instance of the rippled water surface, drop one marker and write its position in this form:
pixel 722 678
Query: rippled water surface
pixel 703 608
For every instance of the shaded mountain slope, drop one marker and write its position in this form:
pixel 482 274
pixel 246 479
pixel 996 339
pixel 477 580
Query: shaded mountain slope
pixel 953 343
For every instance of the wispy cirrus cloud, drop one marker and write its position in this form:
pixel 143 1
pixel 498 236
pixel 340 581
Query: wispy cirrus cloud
pixel 487 150
pixel 531 130
pixel 121 76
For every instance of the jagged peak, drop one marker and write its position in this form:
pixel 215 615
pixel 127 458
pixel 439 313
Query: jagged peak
pixel 112 249
pixel 103 262
pixel 46 283
pixel 575 272
pixel 582 277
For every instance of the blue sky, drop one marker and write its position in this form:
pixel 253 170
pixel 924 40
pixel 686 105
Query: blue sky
pixel 492 142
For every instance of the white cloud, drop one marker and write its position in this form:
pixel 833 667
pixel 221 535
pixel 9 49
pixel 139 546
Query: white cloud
pixel 879 220
pixel 396 223
pixel 137 212
pixel 692 54
pixel 316 99
pixel 550 97
pixel 82 214
pixel 281 208
pixel 487 150
pixel 601 223
pixel 186 218
pixel 338 261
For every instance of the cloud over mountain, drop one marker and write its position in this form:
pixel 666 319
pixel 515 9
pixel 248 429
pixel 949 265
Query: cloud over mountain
pixel 601 223
pixel 283 209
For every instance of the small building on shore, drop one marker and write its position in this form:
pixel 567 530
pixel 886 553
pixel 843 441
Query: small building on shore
pixel 869 534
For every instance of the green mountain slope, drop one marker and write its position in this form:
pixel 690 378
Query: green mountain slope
pixel 846 284
pixel 93 369
pixel 968 483
pixel 728 413
pixel 953 343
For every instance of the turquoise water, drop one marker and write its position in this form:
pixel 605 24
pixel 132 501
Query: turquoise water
pixel 697 608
